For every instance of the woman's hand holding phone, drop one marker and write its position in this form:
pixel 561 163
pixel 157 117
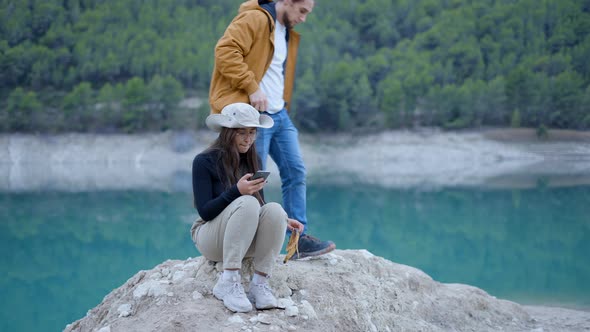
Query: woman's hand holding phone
pixel 260 174
pixel 248 186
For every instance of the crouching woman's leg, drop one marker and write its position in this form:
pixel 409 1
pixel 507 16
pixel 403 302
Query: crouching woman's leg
pixel 269 238
pixel 227 238
pixel 265 248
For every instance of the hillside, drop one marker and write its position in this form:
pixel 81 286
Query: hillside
pixel 123 66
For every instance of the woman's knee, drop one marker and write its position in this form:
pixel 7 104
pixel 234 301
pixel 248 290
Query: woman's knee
pixel 274 210
pixel 245 213
pixel 248 203
pixel 274 214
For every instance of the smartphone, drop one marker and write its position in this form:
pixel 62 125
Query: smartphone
pixel 260 174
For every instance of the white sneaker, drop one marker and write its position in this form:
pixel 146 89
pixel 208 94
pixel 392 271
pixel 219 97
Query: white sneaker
pixel 232 294
pixel 261 296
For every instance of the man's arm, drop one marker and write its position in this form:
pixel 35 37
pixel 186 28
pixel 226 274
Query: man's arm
pixel 234 45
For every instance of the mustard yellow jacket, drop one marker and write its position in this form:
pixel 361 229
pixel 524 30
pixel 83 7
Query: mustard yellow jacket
pixel 243 54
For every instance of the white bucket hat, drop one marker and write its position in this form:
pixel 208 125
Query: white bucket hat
pixel 238 115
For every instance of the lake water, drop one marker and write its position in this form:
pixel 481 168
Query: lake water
pixel 62 252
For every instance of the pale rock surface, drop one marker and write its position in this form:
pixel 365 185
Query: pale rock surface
pixel 347 290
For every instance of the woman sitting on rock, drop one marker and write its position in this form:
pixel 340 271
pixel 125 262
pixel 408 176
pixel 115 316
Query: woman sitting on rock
pixel 235 222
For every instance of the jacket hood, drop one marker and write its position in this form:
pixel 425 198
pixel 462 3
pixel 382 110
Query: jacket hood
pixel 267 5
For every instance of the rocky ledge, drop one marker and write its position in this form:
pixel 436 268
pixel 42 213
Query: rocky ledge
pixel 347 290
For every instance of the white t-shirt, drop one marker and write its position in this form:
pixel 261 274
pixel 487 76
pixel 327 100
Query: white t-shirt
pixel 273 81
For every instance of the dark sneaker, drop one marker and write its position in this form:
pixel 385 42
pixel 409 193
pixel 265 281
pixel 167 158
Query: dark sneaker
pixel 312 246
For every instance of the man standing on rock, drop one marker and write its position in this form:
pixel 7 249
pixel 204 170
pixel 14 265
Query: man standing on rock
pixel 255 64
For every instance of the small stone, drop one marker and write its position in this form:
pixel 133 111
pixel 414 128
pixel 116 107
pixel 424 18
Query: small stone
pixel 178 275
pixel 105 329
pixel 235 319
pixel 188 280
pixel 165 272
pixel 330 256
pixel 170 294
pixel 254 320
pixel 285 302
pixel 291 328
pixel 197 295
pixel 156 276
pixel 124 310
pixel 190 266
pixel 308 310
pixel 264 319
pixel 291 311
pixel 149 288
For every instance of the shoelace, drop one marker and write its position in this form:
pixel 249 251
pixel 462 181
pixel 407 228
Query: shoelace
pixel 265 288
pixel 237 289
pixel 312 238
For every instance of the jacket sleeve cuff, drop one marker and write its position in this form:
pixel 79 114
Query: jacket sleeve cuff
pixel 251 88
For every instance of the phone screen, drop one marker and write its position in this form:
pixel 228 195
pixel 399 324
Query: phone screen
pixel 260 174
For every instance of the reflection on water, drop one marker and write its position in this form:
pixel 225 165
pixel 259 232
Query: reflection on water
pixel 63 252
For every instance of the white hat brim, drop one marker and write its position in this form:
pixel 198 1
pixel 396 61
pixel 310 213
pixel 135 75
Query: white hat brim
pixel 217 121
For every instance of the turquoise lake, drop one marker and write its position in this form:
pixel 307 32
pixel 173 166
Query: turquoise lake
pixel 62 252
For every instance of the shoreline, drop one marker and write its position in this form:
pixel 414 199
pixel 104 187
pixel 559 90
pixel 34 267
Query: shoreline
pixel 427 159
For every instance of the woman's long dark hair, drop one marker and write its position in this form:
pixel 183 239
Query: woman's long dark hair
pixel 229 159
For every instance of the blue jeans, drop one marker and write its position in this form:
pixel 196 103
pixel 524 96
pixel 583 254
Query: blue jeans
pixel 281 141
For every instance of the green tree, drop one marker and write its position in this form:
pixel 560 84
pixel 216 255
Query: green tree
pixel 79 108
pixel 495 100
pixel 22 108
pixel 134 112
pixel 164 93
pixel 392 104
pixel 585 123
pixel 307 101
pixel 347 95
pixel 567 100
pixel 515 119
pixel 108 102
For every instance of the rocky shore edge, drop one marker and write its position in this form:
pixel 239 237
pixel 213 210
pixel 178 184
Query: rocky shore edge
pixel 426 158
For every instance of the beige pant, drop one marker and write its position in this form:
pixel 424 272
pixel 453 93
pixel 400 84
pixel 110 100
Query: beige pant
pixel 243 229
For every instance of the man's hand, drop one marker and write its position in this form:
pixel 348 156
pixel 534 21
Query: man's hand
pixel 293 225
pixel 259 100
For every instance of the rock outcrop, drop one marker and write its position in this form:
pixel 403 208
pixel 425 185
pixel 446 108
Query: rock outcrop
pixel 348 290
